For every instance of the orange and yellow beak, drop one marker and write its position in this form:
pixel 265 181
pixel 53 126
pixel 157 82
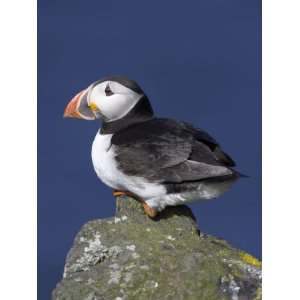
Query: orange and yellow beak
pixel 79 108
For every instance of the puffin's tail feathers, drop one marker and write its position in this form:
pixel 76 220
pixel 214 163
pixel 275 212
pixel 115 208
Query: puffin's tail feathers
pixel 241 175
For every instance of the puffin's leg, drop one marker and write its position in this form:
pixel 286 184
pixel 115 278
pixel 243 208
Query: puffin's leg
pixel 149 211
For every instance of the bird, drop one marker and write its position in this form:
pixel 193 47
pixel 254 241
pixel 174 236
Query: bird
pixel 160 162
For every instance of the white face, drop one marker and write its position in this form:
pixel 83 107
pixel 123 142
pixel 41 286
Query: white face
pixel 112 99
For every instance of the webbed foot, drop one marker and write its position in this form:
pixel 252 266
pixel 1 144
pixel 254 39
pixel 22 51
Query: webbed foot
pixel 149 211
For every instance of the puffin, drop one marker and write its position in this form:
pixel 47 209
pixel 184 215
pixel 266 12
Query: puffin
pixel 158 161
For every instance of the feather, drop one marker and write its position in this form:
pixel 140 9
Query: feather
pixel 165 150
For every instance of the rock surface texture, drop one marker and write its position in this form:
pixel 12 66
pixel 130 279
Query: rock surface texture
pixel 132 257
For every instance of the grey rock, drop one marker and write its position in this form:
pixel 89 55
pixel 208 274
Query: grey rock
pixel 132 257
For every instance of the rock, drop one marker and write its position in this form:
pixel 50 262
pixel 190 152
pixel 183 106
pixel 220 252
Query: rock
pixel 132 257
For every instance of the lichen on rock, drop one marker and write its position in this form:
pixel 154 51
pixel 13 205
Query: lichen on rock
pixel 132 257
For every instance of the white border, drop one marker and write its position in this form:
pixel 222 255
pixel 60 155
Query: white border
pixel 281 114
pixel 281 149
pixel 18 149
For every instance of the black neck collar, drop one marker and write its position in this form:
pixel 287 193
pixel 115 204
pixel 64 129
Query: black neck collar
pixel 141 112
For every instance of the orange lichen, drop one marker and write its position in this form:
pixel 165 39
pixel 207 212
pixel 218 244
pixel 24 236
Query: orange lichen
pixel 249 259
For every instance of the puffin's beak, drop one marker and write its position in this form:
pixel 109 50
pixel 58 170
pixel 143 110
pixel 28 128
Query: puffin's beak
pixel 78 107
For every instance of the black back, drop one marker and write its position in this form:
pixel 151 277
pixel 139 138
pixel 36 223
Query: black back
pixel 165 150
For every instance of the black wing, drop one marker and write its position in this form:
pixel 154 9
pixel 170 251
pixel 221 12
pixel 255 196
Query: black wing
pixel 210 142
pixel 164 150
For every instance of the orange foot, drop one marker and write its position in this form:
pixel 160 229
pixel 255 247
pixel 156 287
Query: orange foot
pixel 123 193
pixel 149 211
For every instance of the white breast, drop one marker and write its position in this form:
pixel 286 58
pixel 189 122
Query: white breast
pixel 105 165
pixel 103 160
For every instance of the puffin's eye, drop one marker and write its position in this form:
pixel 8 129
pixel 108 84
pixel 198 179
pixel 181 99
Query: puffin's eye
pixel 108 91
